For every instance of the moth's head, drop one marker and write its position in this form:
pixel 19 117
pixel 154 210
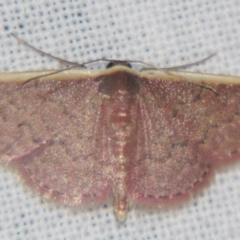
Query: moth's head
pixel 114 63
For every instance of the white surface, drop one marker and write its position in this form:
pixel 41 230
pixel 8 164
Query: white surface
pixel 162 32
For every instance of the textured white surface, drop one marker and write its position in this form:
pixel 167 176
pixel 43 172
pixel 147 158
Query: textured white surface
pixel 162 32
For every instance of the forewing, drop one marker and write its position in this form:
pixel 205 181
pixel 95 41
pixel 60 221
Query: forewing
pixel 184 130
pixel 51 131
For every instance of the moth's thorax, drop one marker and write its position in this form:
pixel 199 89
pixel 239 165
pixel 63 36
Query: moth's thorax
pixel 122 90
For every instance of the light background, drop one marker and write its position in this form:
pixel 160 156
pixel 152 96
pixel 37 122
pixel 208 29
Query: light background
pixel 161 32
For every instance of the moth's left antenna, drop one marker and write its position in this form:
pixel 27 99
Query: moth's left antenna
pixel 44 53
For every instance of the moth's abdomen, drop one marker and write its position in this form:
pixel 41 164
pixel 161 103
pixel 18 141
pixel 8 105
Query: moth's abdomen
pixel 122 91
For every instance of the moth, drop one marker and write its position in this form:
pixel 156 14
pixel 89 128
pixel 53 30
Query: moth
pixel 142 138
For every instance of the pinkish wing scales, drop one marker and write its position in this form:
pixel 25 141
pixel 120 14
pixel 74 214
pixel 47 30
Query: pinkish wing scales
pixel 186 129
pixel 52 132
